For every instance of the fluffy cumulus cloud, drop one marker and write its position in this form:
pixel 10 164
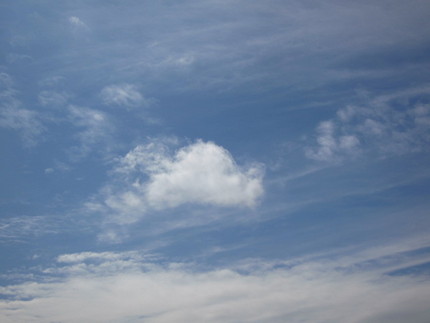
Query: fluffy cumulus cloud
pixel 378 126
pixel 203 173
pixel 123 95
pixel 126 287
pixel 200 173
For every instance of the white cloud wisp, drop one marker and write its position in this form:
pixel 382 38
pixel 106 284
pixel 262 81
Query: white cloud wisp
pixel 123 95
pixel 77 23
pixel 12 116
pixel 94 129
pixel 119 287
pixel 379 126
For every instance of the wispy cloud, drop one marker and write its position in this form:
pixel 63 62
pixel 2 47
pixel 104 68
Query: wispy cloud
pixel 123 95
pixel 125 286
pixel 53 99
pixel 330 146
pixel 264 42
pixel 94 128
pixel 12 116
pixel 21 227
pixel 82 257
pixel 77 22
pixel 22 120
pixel 385 125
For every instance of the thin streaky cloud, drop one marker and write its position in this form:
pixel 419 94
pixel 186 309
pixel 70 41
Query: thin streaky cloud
pixel 314 291
pixel 123 95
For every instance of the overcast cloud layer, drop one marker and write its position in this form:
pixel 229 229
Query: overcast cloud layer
pixel 216 161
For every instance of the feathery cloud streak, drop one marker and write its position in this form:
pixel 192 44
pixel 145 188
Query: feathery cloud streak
pixel 124 286
pixel 126 95
pixel 385 125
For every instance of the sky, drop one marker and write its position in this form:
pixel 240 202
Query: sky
pixel 214 161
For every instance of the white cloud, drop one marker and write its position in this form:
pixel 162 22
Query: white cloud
pixel 101 256
pixel 77 22
pixel 348 142
pixel 19 58
pixel 179 61
pixel 91 119
pixel 23 120
pixel 125 95
pixel 13 116
pixel 330 145
pixel 52 99
pixel 326 142
pixel 122 287
pixel 95 128
pixel 21 227
pixel 380 127
pixel 51 82
pixel 49 170
pixel 5 81
pixel 201 173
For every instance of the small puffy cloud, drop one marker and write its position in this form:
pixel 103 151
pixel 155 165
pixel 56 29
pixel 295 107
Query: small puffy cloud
pixel 124 95
pixel 331 146
pixel 76 22
pixel 387 125
pixel 326 142
pixel 202 173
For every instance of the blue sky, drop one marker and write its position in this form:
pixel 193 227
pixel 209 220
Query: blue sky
pixel 214 161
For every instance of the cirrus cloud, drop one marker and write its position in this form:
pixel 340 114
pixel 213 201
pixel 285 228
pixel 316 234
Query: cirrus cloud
pixel 125 95
pixel 124 287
